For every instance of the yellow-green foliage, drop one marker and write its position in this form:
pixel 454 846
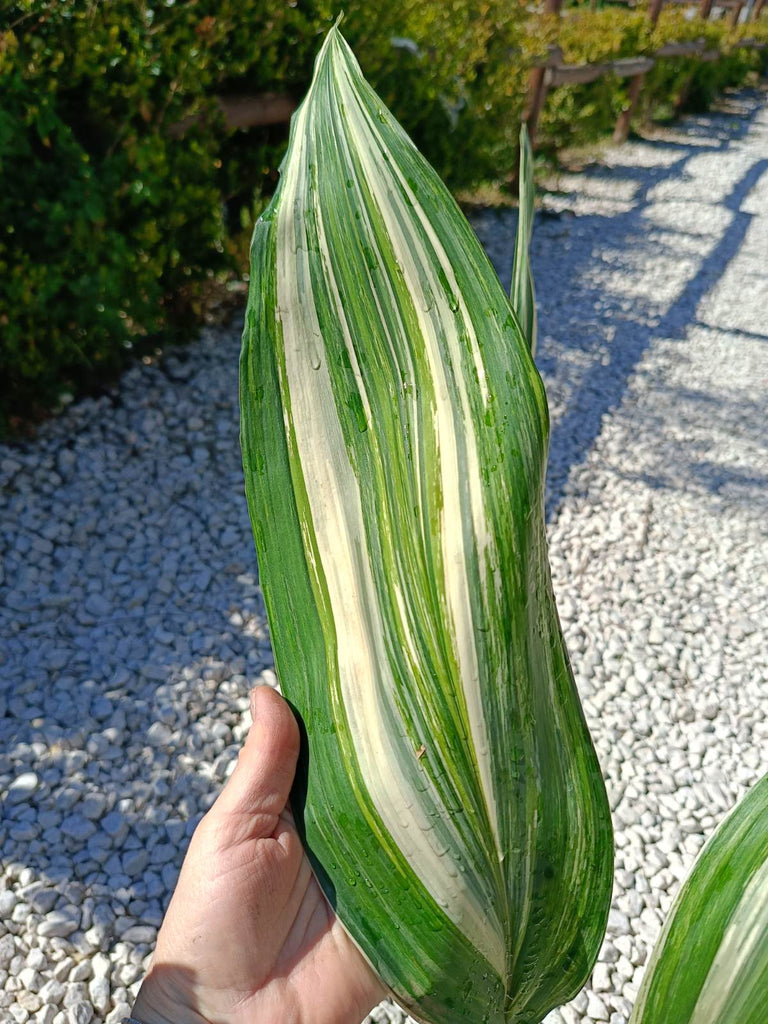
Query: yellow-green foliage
pixel 576 114
pixel 588 37
pixel 688 81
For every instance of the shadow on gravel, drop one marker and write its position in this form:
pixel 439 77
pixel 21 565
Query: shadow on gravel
pixel 604 331
pixel 133 628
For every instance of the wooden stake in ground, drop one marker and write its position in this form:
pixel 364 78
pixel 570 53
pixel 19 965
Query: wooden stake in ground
pixel 621 131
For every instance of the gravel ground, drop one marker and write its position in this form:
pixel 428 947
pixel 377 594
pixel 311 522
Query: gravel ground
pixel 133 624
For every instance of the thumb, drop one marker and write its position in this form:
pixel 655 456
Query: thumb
pixel 259 786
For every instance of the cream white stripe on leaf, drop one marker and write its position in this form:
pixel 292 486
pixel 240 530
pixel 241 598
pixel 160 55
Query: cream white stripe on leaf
pixel 742 948
pixel 447 312
pixel 337 524
pixel 394 436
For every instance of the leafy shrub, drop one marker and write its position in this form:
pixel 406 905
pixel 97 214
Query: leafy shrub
pixel 116 223
pixel 107 214
pixel 576 114
pixel 113 219
pixel 693 84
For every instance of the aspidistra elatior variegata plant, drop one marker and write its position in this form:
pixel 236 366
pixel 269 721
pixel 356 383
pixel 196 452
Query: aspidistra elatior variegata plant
pixel 710 964
pixel 394 433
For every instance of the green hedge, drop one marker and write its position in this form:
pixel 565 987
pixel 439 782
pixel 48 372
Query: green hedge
pixel 114 224
pixel 579 114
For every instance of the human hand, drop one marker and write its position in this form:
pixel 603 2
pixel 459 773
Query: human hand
pixel 249 937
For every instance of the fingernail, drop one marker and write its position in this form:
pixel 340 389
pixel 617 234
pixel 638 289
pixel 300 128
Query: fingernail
pixel 253 702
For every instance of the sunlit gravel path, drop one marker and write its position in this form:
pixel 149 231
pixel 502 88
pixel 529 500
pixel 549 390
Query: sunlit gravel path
pixel 132 623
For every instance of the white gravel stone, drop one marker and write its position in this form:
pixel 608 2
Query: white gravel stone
pixel 81 971
pixel 22 788
pixel 596 1008
pixel 8 901
pixel 52 992
pixel 63 967
pixel 139 933
pixel 76 992
pixel 30 979
pixel 30 1001
pixel 98 993
pixel 120 1010
pixel 601 978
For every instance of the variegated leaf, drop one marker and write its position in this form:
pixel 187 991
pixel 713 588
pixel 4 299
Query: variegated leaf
pixel 710 965
pixel 394 433
pixel 522 295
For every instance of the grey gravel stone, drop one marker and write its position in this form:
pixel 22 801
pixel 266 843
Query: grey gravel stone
pixel 43 900
pixel 22 788
pixel 135 862
pixel 7 949
pixel 139 933
pixel 159 735
pixel 93 806
pixel 77 827
pixel 59 923
pixel 80 1013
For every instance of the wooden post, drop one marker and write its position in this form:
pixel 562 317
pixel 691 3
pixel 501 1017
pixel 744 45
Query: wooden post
pixel 737 9
pixel 757 9
pixel 537 92
pixel 621 131
pixel 537 83
pixel 705 9
pixel 552 6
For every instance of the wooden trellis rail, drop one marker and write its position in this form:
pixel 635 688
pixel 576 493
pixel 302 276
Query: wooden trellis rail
pixel 552 71
pixel 548 73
